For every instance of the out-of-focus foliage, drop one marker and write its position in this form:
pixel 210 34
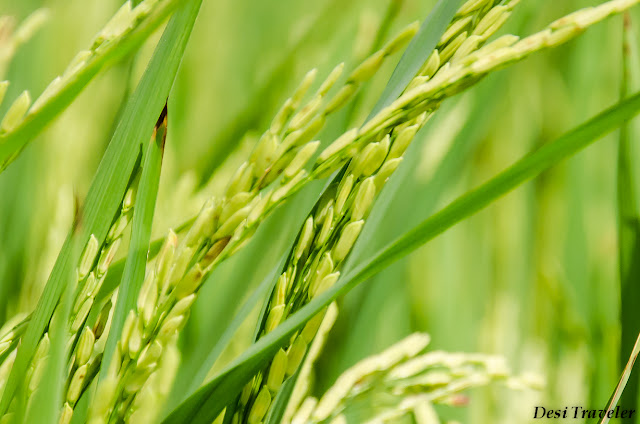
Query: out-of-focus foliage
pixel 534 277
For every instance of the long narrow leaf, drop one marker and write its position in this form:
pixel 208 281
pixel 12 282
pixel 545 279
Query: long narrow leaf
pixel 211 399
pixel 263 290
pixel 136 263
pixel 414 57
pixel 114 276
pixel 628 220
pixel 13 142
pixel 45 408
pixel 242 272
pixel 252 116
pixel 403 202
pixel 624 378
pixel 417 52
pixel 279 406
pixel 109 185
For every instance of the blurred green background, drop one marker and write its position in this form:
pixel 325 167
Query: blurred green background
pixel 534 277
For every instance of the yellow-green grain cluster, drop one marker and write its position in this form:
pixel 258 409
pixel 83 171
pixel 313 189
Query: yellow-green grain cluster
pixel 85 343
pixel 410 378
pixel 285 159
pixel 334 225
pixel 273 172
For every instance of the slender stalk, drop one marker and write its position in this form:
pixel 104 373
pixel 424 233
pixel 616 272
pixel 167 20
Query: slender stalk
pixel 624 379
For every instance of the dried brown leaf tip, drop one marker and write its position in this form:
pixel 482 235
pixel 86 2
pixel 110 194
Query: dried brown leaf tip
pixel 77 213
pixel 160 130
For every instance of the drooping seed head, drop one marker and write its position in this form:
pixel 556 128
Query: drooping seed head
pixel 258 208
pixel 325 266
pixel 36 376
pixel 237 202
pixel 448 52
pixel 325 203
pixel 230 225
pixel 103 319
pixel 87 290
pixel 129 198
pixel 466 48
pixel 260 407
pixel 181 261
pixel 181 307
pixel 118 23
pixel 105 393
pixel 282 116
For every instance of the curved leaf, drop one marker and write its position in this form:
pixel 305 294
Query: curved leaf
pixel 133 275
pixel 108 186
pixel 204 405
pixel 417 52
pixel 13 142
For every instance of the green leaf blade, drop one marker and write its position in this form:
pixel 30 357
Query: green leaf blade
pixel 14 142
pixel 45 408
pixel 417 52
pixel 211 399
pixel 628 231
pixel 134 270
pixel 110 182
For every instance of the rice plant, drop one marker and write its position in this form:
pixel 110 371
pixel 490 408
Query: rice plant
pixel 238 212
